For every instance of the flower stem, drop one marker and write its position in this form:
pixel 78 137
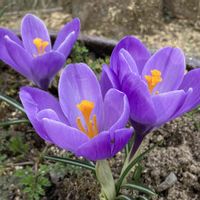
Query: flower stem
pixel 130 158
pixel 105 177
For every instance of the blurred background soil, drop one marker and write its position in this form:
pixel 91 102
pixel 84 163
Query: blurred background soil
pixel 157 23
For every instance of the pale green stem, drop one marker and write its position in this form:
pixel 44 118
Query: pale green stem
pixel 105 178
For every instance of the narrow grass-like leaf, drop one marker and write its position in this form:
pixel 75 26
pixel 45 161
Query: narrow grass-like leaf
pixel 13 122
pixel 12 102
pixel 130 166
pixel 137 173
pixel 138 187
pixel 126 150
pixel 124 197
pixel 142 198
pixel 69 161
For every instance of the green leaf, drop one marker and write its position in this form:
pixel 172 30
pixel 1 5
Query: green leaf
pixel 124 197
pixel 126 150
pixel 13 122
pixel 138 187
pixel 17 145
pixel 138 172
pixel 130 166
pixel 43 181
pixel 77 163
pixel 105 177
pixel 12 102
pixel 142 198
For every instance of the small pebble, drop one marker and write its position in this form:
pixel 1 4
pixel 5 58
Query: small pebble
pixel 170 180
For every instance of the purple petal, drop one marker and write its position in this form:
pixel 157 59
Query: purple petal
pixel 37 124
pixel 45 67
pixel 38 104
pixel 190 85
pixel 135 48
pixel 3 50
pixel 78 83
pixel 127 64
pixel 47 113
pixel 116 110
pixel 98 148
pixel 120 138
pixel 141 106
pixel 167 104
pixel 41 100
pixel 141 129
pixel 73 26
pixel 108 80
pixel 105 145
pixel 20 58
pixel 67 45
pixel 171 62
pixel 64 136
pixel 32 27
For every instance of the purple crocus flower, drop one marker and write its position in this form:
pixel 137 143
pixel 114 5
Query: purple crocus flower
pixel 81 121
pixel 157 86
pixel 34 57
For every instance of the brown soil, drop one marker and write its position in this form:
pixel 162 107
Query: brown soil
pixel 178 153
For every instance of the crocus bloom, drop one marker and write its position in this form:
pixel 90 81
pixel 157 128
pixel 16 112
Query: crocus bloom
pixel 81 121
pixel 34 57
pixel 157 87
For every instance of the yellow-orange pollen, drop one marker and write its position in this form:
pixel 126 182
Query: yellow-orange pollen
pixel 40 45
pixel 90 127
pixel 153 79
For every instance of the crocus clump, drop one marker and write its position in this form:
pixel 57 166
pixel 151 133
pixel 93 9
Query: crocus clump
pixel 34 57
pixel 81 121
pixel 157 87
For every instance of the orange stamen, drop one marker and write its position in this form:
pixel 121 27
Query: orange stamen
pixel 153 79
pixel 40 45
pixel 90 128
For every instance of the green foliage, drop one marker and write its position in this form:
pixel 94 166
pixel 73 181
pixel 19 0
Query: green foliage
pixel 32 183
pixel 106 180
pixel 96 65
pixel 79 53
pixel 134 165
pixel 12 144
pixel 3 141
pixel 139 187
pixel 2 167
pixel 12 102
pixel 2 158
pixel 70 161
pixel 13 122
pixel 137 173
pixel 17 145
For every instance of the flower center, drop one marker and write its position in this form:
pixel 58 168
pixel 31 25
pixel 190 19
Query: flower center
pixel 153 79
pixel 40 45
pixel 90 127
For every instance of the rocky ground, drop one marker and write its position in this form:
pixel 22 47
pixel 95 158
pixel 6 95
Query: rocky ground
pixel 177 153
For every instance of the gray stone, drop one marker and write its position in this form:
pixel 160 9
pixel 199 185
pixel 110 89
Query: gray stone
pixel 123 16
pixel 183 9
pixel 170 180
